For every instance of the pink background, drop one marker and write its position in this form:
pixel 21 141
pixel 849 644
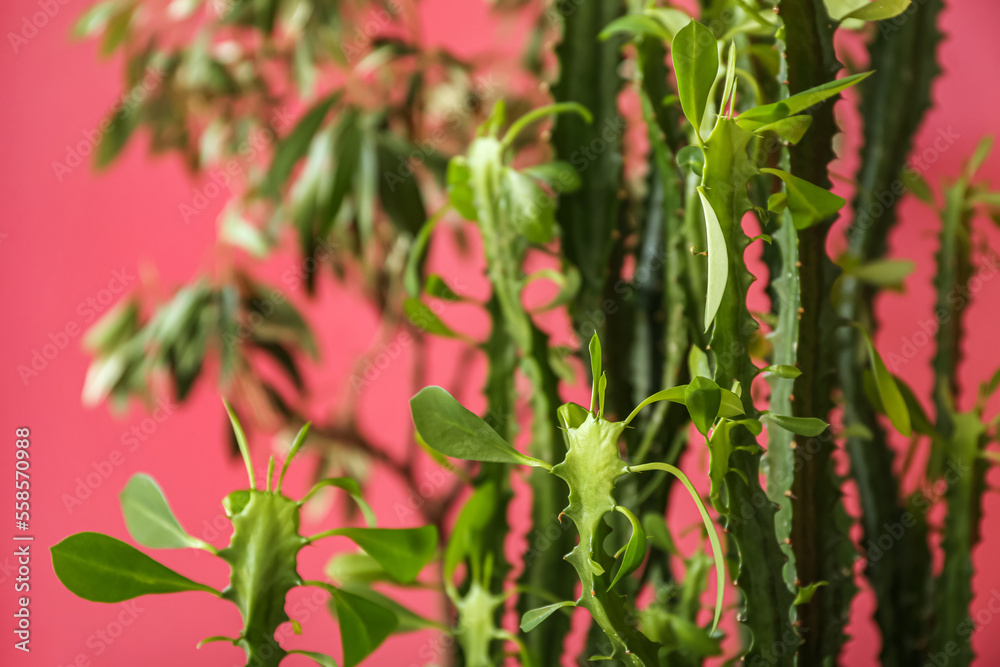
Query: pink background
pixel 61 243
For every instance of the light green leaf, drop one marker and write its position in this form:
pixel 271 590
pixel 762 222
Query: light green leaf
pixel 730 406
pixel 636 24
pixel 421 315
pixel 352 488
pixel 809 204
pixel 217 638
pixel 718 260
pixel 782 371
pixel 807 426
pixel 148 517
pixel 595 370
pixel 293 147
pixel 698 363
pixel 791 129
pixel 460 193
pixel 882 272
pixel 916 184
pixel 729 88
pixel 562 177
pixel 241 442
pixel 321 659
pixel 703 399
pixel 691 158
pixel 466 535
pixel 532 618
pixel 979 156
pixel 451 429
pixel 572 415
pixel 695 56
pixel 877 10
pixel 892 399
pixel 805 593
pixel 100 568
pixel 532 209
pixel 402 552
pixel 364 625
pixel 635 550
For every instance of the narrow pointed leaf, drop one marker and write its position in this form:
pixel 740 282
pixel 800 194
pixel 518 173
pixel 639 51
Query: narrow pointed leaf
pixel 595 369
pixel 783 371
pixel 718 260
pixel 807 426
pixel 892 400
pixel 321 659
pixel 879 10
pixel 635 550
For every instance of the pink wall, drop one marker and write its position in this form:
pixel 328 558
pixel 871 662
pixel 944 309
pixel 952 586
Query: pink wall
pixel 72 241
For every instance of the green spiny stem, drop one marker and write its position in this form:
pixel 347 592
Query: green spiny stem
pixel 903 54
pixel 966 471
pixel 590 469
pixel 751 514
pixel 782 258
pixel 504 249
pixel 954 269
pixel 823 551
pixel 589 217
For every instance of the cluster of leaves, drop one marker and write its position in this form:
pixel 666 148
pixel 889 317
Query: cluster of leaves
pixel 262 556
pixel 740 122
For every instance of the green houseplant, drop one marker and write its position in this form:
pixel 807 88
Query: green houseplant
pixel 735 109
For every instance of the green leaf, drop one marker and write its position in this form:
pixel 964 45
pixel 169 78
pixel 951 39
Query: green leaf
pixel 691 158
pixel 321 659
pixel 892 399
pixel 448 427
pixel 421 315
pixel 148 517
pixel 718 260
pixel 882 272
pixel 403 552
pixel 532 618
pixel 466 535
pixel 217 638
pixel 730 406
pixel 805 593
pixel 713 538
pixel 809 204
pixel 635 550
pixel 752 119
pixel 807 426
pixel 562 177
pixel 241 442
pixel 100 568
pixel 398 189
pixel 791 129
pixel 782 371
pixel 698 363
pixel 595 370
pixel 636 24
pixel 407 619
pixel 532 209
pixel 703 399
pixel 877 11
pixel 460 193
pixel 364 625
pixel 979 156
pixel 572 415
pixel 916 184
pixel 94 19
pixel 695 56
pixel 352 488
pixel 293 147
pixel 729 89
pixel 777 202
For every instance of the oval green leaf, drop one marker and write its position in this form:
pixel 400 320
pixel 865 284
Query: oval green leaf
pixel 448 427
pixel 364 625
pixel 703 399
pixel 807 426
pixel 100 568
pixel 695 56
pixel 809 204
pixel 148 517
pixel 892 399
pixel 402 552
pixel 532 618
